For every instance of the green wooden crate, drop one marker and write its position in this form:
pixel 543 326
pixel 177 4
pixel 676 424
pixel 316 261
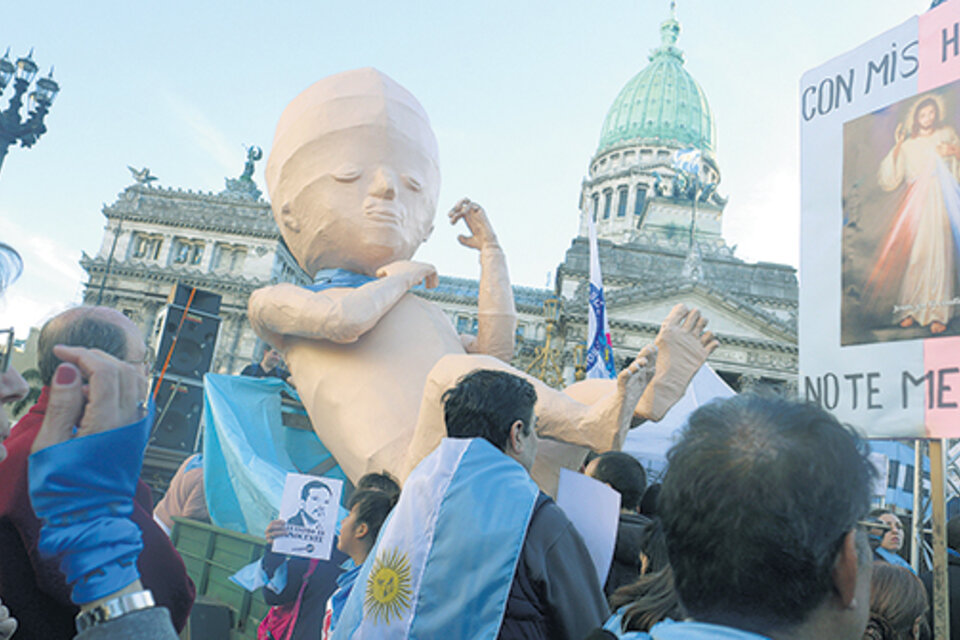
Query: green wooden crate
pixel 211 555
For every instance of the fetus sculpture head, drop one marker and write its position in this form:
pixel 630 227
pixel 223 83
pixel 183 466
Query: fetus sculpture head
pixel 353 174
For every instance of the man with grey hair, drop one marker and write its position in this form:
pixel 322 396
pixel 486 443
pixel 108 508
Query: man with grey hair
pixel 32 586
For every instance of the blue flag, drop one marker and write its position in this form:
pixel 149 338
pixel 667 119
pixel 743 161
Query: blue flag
pixel 687 160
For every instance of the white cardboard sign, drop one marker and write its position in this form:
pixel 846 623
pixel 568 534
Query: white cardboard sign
pixel 594 509
pixel 309 506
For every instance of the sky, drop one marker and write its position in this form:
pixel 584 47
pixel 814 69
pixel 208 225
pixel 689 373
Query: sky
pixel 516 91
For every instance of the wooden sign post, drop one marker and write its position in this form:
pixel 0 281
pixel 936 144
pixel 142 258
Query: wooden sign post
pixel 941 592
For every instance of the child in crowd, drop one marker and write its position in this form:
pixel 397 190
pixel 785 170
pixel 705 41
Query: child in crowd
pixel 369 509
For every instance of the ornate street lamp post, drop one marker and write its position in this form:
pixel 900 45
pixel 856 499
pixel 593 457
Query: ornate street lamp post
pixel 11 127
pixel 546 362
pixel 580 362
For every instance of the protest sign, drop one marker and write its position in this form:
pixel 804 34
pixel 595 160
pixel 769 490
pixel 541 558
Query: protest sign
pixel 310 507
pixel 880 231
pixel 594 509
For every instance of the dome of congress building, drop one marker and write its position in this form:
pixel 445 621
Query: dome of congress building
pixel 661 105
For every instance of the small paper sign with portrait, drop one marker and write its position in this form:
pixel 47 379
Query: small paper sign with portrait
pixel 309 506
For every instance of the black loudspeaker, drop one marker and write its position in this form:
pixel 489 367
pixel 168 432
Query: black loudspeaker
pixel 196 337
pixel 179 407
pixel 203 301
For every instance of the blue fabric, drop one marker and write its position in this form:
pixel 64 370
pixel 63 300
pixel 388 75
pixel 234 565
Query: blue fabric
pixel 338 278
pixel 893 558
pixel 672 630
pixel 689 630
pixel 279 580
pixel 454 539
pixel 247 452
pixel 614 625
pixel 253 576
pixel 82 490
pixel 345 582
pixel 195 462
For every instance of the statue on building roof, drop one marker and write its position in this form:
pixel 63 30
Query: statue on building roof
pixel 254 153
pixel 244 186
pixel 142 176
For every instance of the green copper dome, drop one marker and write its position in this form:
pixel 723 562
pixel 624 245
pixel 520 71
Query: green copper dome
pixel 662 104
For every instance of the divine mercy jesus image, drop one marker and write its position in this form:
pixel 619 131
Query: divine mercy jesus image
pixel 901 221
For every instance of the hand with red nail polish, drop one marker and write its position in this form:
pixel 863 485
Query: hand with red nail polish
pixel 91 392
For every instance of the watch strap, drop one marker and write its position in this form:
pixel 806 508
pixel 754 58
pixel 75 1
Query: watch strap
pixel 114 608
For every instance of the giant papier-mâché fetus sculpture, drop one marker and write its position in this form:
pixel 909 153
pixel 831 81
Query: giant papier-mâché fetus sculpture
pixel 353 177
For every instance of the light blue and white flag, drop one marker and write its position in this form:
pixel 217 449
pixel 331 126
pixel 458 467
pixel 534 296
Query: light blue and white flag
pixel 444 561
pixel 599 350
pixel 247 452
pixel 687 160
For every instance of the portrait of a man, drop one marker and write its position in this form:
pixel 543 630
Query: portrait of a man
pixel 314 499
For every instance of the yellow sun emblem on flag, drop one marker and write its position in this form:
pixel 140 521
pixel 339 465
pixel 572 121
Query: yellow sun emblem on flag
pixel 388 587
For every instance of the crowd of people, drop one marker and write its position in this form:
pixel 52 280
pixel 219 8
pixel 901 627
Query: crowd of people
pixel 761 527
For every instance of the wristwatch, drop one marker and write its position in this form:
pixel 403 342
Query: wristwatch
pixel 114 608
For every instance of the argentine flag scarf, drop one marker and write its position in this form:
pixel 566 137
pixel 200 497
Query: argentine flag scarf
pixel 338 278
pixel 445 559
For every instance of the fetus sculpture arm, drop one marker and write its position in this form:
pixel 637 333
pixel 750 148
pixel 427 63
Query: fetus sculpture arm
pixel 497 315
pixel 338 315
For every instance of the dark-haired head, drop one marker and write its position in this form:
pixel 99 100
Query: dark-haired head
pixel 650 500
pixel 624 473
pixel 889 535
pixel 372 507
pixel 653 547
pixel 369 509
pixel 761 496
pixel 381 482
pixel 486 403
